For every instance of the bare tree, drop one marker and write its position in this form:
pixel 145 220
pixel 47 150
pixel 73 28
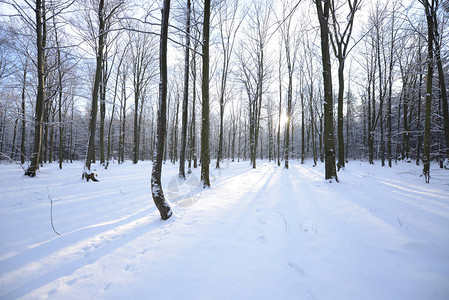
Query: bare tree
pixel 142 59
pixel 156 185
pixel 228 26
pixel 430 9
pixel 40 99
pixel 103 19
pixel 323 7
pixel 340 41
pixel 205 157
pixel 185 102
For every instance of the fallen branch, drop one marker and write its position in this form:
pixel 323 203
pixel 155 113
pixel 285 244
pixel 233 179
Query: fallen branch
pixel 51 212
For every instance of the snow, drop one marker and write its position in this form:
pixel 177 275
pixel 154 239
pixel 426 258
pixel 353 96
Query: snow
pixel 268 233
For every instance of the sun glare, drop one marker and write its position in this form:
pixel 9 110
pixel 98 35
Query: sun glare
pixel 284 119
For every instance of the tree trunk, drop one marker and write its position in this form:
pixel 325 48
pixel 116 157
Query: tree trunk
pixel 156 185
pixel 329 144
pixel 103 106
pixel 280 113
pixel 98 72
pixel 61 128
pixel 427 135
pixel 192 123
pixel 185 103
pixel 340 136
pixel 205 158
pixel 40 99
pixel 136 115
pixel 22 145
pixel 443 91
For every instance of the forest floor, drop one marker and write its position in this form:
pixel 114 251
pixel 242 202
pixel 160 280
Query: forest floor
pixel 268 233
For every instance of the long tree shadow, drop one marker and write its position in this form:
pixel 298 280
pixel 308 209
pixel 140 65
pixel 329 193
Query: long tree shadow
pixel 120 233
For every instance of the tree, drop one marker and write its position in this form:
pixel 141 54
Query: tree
pixel 323 7
pixel 142 58
pixel 438 41
pixel 156 185
pixel 340 41
pixel 40 99
pixel 253 71
pixel 229 26
pixel 290 47
pixel 103 20
pixel 205 158
pixel 430 9
pixel 185 102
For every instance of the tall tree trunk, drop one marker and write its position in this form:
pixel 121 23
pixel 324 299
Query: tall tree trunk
pixel 123 119
pixel 418 118
pixel 156 185
pixel 40 99
pixel 185 103
pixel 280 112
pixel 193 123
pixel 22 145
pixel 429 8
pixel 71 153
pixel 340 136
pixel 443 91
pixel 135 128
pixel 98 72
pixel 61 128
pixel 303 125
pixel 205 158
pixel 103 106
pixel 329 143
pixel 108 155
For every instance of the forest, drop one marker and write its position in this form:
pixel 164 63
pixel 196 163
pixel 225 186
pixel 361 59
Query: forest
pixel 225 149
pixel 382 96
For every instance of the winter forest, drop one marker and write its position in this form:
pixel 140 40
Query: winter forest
pixel 316 130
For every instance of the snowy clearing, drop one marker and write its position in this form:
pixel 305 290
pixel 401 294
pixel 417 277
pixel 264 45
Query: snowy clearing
pixel 268 233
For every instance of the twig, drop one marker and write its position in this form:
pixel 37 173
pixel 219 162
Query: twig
pixel 51 212
pixel 11 160
pixel 285 221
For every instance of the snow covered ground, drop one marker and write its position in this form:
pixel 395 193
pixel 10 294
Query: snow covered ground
pixel 268 233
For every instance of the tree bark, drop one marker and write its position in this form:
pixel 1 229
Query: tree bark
pixel 40 99
pixel 98 72
pixel 22 145
pixel 156 185
pixel 205 158
pixel 185 103
pixel 429 8
pixel 443 91
pixel 329 143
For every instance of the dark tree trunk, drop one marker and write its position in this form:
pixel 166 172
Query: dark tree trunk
pixel 443 91
pixel 40 99
pixel 136 117
pixel 418 118
pixel 205 158
pixel 60 75
pixel 98 72
pixel 430 10
pixel 103 107
pixel 329 143
pixel 340 137
pixel 193 124
pixel 280 113
pixel 182 155
pixel 22 145
pixel 156 185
